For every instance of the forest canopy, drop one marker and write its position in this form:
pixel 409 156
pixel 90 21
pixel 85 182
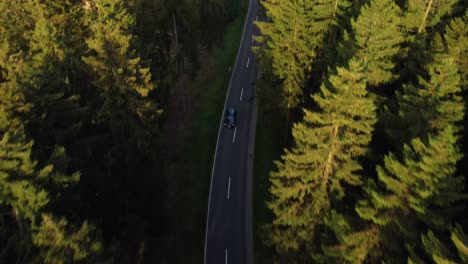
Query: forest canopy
pixel 83 91
pixel 374 94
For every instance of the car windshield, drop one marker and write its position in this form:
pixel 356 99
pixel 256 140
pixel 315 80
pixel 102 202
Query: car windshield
pixel 230 113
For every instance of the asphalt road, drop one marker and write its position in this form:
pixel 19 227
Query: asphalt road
pixel 229 220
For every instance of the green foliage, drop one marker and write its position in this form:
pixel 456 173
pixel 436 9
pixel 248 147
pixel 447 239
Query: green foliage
pixel 443 252
pixel 60 243
pixel 122 80
pixel 323 160
pixel 18 177
pixel 24 196
pixel 436 102
pixel 378 37
pixel 460 240
pixel 289 44
pixel 415 188
pixel 421 14
pixel 417 191
pixel 352 246
pixel 456 38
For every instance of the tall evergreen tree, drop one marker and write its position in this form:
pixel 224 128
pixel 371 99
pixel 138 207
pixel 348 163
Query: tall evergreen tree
pixel 421 14
pixel 20 197
pixel 296 32
pixel 52 71
pixel 378 37
pixel 414 193
pixel 436 103
pixel 313 174
pixel 456 37
pixel 119 74
pixel 23 198
pixel 442 253
pixel 354 240
pixel 60 243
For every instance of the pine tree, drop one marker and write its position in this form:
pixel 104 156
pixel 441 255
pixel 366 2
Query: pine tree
pixel 436 103
pixel 24 195
pixel 51 72
pixel 18 174
pixel 456 37
pixel 377 37
pixel 16 24
pixel 414 193
pixel 124 115
pixel 421 14
pixel 313 174
pixel 442 252
pixel 460 241
pixel 119 75
pixel 352 245
pixel 294 36
pixel 61 243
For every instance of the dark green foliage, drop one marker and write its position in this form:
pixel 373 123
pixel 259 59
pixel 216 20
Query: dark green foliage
pixel 422 14
pixel 336 198
pixel 313 174
pixel 60 243
pixel 436 103
pixel 456 39
pixel 455 251
pixel 377 34
pixel 231 9
pixel 289 43
pixel 424 182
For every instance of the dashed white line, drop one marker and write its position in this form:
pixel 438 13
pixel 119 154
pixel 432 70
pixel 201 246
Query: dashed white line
pixel 252 38
pixel 229 188
pixel 242 92
pixel 226 255
pixel 234 138
pixel 248 61
pixel 256 19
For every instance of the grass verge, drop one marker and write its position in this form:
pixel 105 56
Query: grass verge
pixel 268 147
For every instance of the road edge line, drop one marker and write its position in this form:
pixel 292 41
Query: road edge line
pixel 221 125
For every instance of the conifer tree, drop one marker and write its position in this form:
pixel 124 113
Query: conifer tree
pixel 16 24
pixel 18 176
pixel 119 75
pixel 313 174
pixel 421 14
pixel 456 37
pixel 355 241
pixel 297 31
pixel 377 38
pixel 436 248
pixel 60 243
pixel 436 103
pixel 414 193
pixel 24 196
pixel 51 71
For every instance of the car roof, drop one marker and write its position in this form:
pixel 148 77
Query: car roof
pixel 231 110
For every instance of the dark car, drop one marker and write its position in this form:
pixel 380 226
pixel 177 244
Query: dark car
pixel 230 119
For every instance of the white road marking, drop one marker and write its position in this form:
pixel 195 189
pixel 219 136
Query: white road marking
pixel 248 61
pixel 256 19
pixel 219 133
pixel 226 255
pixel 252 38
pixel 234 138
pixel 242 92
pixel 229 187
